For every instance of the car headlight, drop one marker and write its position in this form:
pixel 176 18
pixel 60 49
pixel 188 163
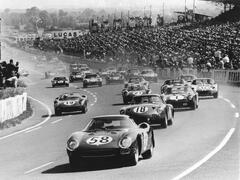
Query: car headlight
pixel 125 142
pixel 122 111
pixel 189 97
pixel 160 109
pixel 72 144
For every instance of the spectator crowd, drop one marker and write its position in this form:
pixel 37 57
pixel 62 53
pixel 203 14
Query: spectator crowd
pixel 9 74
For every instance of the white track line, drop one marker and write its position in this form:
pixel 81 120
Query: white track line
pixel 33 129
pixel 58 120
pixel 39 167
pixel 207 157
pixel 39 124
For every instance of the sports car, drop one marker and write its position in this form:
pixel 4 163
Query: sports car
pixel 60 81
pixel 205 87
pixel 150 108
pixel 92 79
pixel 181 97
pixel 108 71
pixel 134 90
pixel 70 102
pixel 149 75
pixel 137 81
pixel 132 72
pixel 114 78
pixel 75 76
pixel 111 136
pixel 170 83
pixel 188 78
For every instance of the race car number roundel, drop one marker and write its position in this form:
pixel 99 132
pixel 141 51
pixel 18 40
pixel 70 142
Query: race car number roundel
pixel 99 140
pixel 140 109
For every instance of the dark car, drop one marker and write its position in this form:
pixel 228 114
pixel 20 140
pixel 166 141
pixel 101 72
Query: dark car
pixel 150 108
pixel 76 76
pixel 92 79
pixel 170 83
pixel 205 87
pixel 115 136
pixel 181 97
pixel 70 102
pixel 134 90
pixel 60 81
pixel 114 78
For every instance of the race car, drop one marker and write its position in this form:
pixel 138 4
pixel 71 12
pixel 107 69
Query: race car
pixel 60 81
pixel 76 76
pixel 111 136
pixel 149 75
pixel 188 78
pixel 134 90
pixel 137 81
pixel 205 87
pixel 181 97
pixel 108 71
pixel 150 108
pixel 170 83
pixel 69 102
pixel 114 78
pixel 132 72
pixel 92 79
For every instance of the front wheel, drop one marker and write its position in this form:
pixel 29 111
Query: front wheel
pixel 164 122
pixel 149 153
pixel 100 84
pixel 58 112
pixel 84 109
pixel 215 95
pixel 194 105
pixel 133 159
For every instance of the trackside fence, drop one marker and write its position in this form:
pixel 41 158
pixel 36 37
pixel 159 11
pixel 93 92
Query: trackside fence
pixel 12 107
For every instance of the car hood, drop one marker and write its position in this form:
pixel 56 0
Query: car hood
pixel 113 136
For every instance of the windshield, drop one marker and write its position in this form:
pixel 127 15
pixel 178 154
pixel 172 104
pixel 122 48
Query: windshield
pixel 135 88
pixel 187 78
pixel 147 99
pixel 91 76
pixel 173 82
pixel 60 78
pixel 68 97
pixel 204 81
pixel 177 90
pixel 108 123
pixel 134 80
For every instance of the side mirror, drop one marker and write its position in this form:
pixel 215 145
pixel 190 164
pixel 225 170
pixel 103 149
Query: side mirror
pixel 145 126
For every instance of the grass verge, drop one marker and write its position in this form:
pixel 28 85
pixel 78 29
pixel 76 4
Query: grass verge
pixel 17 120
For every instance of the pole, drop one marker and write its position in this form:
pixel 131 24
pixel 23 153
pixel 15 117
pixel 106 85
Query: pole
pixel 193 15
pixel 0 39
pixel 163 13
pixel 185 10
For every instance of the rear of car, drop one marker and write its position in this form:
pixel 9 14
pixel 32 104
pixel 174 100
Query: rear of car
pixel 92 80
pixel 76 76
pixel 60 81
pixel 114 78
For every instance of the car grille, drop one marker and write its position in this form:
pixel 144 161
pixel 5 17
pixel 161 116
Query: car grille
pixel 99 153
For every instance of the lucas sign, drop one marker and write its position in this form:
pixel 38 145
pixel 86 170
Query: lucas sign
pixel 66 34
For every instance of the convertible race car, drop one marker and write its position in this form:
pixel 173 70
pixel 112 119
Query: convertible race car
pixel 70 102
pixel 170 83
pixel 181 97
pixel 149 75
pixel 60 81
pixel 115 136
pixel 92 79
pixel 205 87
pixel 134 90
pixel 188 78
pixel 114 78
pixel 150 108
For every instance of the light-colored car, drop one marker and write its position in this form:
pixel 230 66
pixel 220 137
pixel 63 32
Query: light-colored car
pixel 149 75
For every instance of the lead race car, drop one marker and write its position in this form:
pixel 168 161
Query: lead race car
pixel 115 136
pixel 149 75
pixel 150 108
pixel 181 96
pixel 170 83
pixel 205 87
pixel 135 80
pixel 69 102
pixel 134 90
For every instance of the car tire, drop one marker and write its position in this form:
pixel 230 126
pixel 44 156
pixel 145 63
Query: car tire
pixel 84 86
pixel 84 110
pixel 215 95
pixel 58 112
pixel 100 84
pixel 156 80
pixel 134 157
pixel 53 86
pixel 149 153
pixel 194 104
pixel 67 85
pixel 125 101
pixel 164 122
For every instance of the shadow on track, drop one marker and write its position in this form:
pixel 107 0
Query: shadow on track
pixel 64 114
pixel 119 104
pixel 93 165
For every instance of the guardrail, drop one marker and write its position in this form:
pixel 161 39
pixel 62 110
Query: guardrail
pixel 222 76
pixel 12 107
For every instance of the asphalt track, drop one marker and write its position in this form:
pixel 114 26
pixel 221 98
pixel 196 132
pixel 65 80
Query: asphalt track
pixel 201 144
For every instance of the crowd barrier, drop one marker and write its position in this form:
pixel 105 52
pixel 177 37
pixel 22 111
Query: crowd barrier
pixel 12 107
pixel 221 76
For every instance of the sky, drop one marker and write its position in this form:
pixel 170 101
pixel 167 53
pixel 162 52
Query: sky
pixel 118 4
